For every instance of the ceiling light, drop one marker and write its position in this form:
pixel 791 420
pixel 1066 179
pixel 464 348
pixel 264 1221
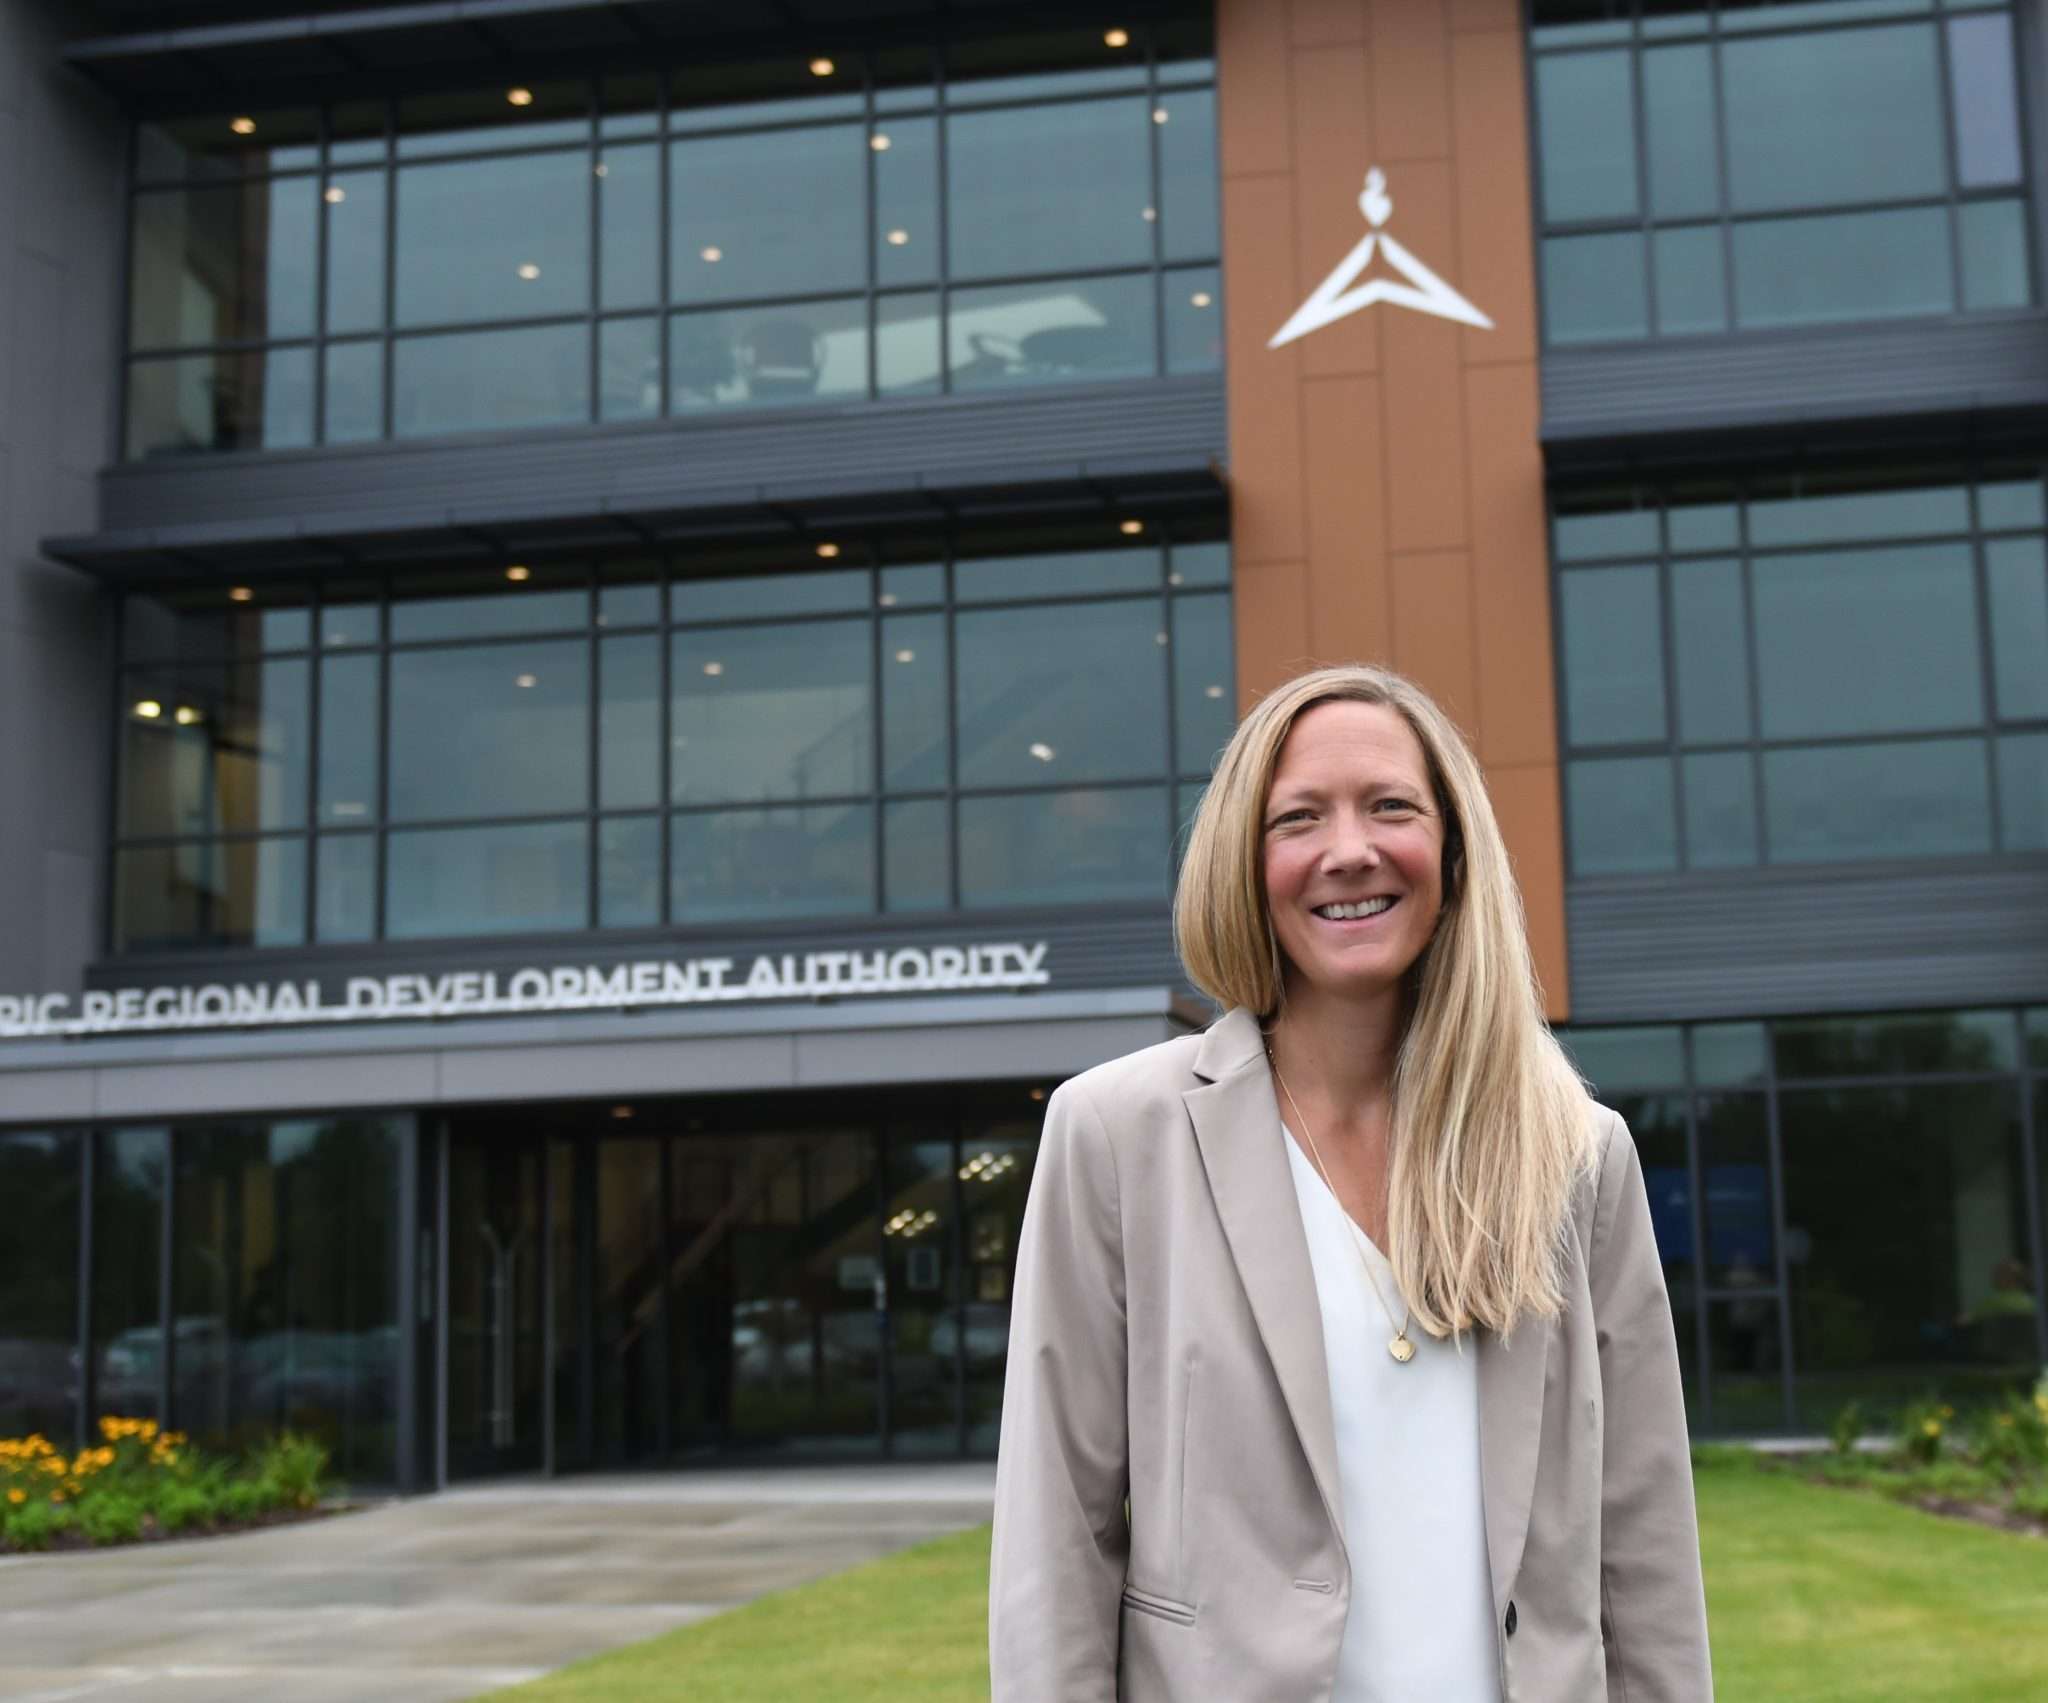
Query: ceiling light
pixel 828 551
pixel 528 270
pixel 242 126
pixel 525 680
pixel 1201 298
pixel 335 195
pixel 714 669
pixel 1159 115
pixel 185 715
pixel 1039 1093
pixel 1174 579
pixel 1212 691
pixel 906 656
pixel 887 600
pixel 519 97
pixel 601 168
pixel 1149 214
pixel 1130 528
pixel 712 255
pixel 349 807
pixel 519 571
pixel 149 709
pixel 879 142
pixel 239 594
pixel 1113 38
pixel 622 1111
pixel 822 67
pixel 1042 751
pixel 897 239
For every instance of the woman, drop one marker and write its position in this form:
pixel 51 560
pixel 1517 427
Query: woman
pixel 1341 1365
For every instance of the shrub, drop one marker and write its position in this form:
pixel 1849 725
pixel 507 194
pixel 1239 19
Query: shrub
pixel 1847 1428
pixel 180 1507
pixel 294 1466
pixel 110 1518
pixel 1923 1427
pixel 2011 1438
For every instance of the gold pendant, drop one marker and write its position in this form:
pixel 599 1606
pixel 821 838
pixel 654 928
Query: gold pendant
pixel 1401 1348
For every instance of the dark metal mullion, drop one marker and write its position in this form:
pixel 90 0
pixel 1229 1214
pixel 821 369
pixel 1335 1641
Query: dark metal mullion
pixel 1987 664
pixel 322 213
pixel 408 1277
pixel 1667 639
pixel 877 747
pixel 1746 571
pixel 2030 1181
pixel 942 272
pixel 1781 1265
pixel 870 225
pixel 1951 162
pixel 595 284
pixel 82 1415
pixel 883 1139
pixel 664 1347
pixel 593 837
pixel 665 780
pixel 1645 220
pixel 1169 609
pixel 549 1458
pixel 442 1298
pixel 1560 696
pixel 124 302
pixel 315 670
pixel 382 861
pixel 1724 212
pixel 949 569
pixel 166 1279
pixel 390 324
pixel 1156 172
pixel 109 886
pixel 1695 1166
pixel 956 1198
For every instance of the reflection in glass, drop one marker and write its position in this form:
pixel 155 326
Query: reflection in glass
pixel 1691 294
pixel 901 587
pixel 628 369
pixel 1593 288
pixel 1188 209
pixel 1080 847
pixel 480 119
pixel 768 213
pixel 738 597
pixel 1735 1161
pixel 921 1237
pixel 998 1148
pixel 1814 515
pixel 285 1278
pixel 482 380
pixel 1621 816
pixel 908 357
pixel 1962 1042
pixel 210 893
pixel 771 712
pixel 493 239
pixel 1867 641
pixel 345 887
pixel 906 227
pixel 129 1169
pixel 347 782
pixel 738 865
pixel 629 721
pixel 1052 694
pixel 495 1326
pixel 2016 570
pixel 1678 94
pixel 2023 790
pixel 1730 1055
pixel 458 881
pixel 1194 320
pixel 352 410
pixel 259 399
pixel 230 265
pixel 1985 97
pixel 1708 634
pixel 206 623
pixel 1628 1060
pixel 1010 177
pixel 1204 705
pixel 354 204
pixel 1586 136
pixel 629 592
pixel 1746 1365
pixel 510 730
pixel 1081 328
pixel 629 227
pixel 208 146
pixel 2002 506
pixel 915 725
pixel 1658 1125
pixel 1720 810
pixel 630 1267
pixel 1605 532
pixel 917 855
pixel 628 872
pixel 1997 270
pixel 1927 798
pixel 39 1181
pixel 1065 573
pixel 1842 266
pixel 768 356
pixel 1614 655
pixel 208 750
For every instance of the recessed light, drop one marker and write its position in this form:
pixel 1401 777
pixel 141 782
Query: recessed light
pixel 1130 528
pixel 525 680
pixel 601 168
pixel 1159 638
pixel 1201 298
pixel 185 715
pixel 518 571
pixel 149 709
pixel 528 270
pixel 1039 1093
pixel 879 142
pixel 896 239
pixel 822 67
pixel 1042 751
pixel 622 1111
pixel 906 656
pixel 519 97
pixel 711 255
pixel 335 195
pixel 239 594
pixel 1159 115
pixel 714 669
pixel 1149 214
pixel 1112 38
pixel 242 126
pixel 828 551
pixel 1212 691
pixel 887 600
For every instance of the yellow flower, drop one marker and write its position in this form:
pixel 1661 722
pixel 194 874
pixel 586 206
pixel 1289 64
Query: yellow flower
pixel 17 1497
pixel 1948 1412
pixel 1930 1428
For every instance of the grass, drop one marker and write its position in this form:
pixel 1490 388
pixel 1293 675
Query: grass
pixel 1822 1595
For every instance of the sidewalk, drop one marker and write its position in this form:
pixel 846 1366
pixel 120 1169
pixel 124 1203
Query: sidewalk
pixel 442 1597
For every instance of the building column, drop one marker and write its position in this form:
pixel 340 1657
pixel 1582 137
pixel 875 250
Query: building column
pixel 1386 473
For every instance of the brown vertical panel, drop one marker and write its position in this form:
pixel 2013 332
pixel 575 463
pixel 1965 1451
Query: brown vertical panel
pixel 1332 121
pixel 1489 121
pixel 1411 79
pixel 1265 409
pixel 1510 569
pixel 1432 600
pixel 1269 603
pixel 1420 355
pixel 1525 801
pixel 1251 89
pixel 1496 15
pixel 1347 553
pixel 1326 23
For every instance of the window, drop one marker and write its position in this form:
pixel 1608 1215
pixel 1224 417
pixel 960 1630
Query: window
pixel 1740 166
pixel 719 237
pixel 1800 671
pixel 701 741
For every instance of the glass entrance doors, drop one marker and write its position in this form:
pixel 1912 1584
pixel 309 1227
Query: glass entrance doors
pixel 495 1325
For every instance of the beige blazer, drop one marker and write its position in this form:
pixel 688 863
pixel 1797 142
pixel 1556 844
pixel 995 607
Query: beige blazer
pixel 1166 1347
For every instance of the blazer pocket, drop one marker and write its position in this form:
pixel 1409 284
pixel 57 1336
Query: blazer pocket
pixel 1165 1608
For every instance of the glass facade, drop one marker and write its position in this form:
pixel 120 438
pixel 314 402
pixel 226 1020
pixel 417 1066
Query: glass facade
pixel 909 222
pixel 1741 166
pixel 1790 671
pixel 642 741
pixel 1847 1207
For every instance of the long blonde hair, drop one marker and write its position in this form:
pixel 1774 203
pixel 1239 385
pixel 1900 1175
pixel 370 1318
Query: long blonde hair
pixel 1490 1124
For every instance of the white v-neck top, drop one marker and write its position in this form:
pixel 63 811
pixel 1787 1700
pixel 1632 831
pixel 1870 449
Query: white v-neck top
pixel 1421 1617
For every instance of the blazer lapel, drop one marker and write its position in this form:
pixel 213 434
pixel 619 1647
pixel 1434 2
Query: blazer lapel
pixel 1237 1128
pixel 1510 1438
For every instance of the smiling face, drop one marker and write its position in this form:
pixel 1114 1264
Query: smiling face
pixel 1354 847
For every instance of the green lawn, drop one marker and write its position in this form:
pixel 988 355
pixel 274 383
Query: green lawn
pixel 1824 1596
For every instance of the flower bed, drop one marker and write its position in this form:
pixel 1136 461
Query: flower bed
pixel 141 1482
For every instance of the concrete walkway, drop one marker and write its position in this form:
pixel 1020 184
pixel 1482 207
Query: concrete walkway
pixel 442 1597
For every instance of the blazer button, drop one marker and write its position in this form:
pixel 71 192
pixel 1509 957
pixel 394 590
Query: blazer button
pixel 1511 1620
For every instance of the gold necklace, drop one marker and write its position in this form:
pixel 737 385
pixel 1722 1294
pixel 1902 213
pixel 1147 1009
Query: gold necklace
pixel 1400 1347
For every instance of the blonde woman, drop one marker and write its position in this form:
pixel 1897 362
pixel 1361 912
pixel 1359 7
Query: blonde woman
pixel 1341 1366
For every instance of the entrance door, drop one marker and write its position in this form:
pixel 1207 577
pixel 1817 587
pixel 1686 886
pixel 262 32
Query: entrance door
pixel 495 1297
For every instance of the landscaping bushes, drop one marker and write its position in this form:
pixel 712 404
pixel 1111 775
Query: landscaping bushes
pixel 140 1481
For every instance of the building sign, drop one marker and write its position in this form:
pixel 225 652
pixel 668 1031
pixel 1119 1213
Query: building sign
pixel 1340 294
pixel 643 984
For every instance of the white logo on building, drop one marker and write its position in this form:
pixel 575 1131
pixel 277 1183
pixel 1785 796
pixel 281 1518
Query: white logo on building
pixel 1340 294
